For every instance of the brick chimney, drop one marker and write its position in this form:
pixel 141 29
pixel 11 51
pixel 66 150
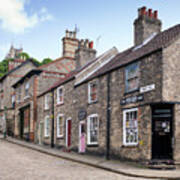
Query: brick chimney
pixel 70 44
pixel 85 53
pixel 146 25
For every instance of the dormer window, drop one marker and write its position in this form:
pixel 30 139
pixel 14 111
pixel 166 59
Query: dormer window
pixel 132 77
pixel 60 95
pixel 92 92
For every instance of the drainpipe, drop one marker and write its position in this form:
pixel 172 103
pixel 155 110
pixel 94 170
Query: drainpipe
pixel 52 125
pixel 108 121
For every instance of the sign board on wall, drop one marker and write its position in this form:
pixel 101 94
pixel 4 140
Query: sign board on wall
pixel 147 88
pixel 82 114
pixel 132 99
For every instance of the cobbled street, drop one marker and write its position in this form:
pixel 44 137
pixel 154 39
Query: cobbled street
pixel 19 163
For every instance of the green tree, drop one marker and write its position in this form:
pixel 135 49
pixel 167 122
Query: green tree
pixel 46 61
pixel 23 55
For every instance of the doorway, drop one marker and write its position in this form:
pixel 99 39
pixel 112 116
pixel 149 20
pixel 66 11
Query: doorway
pixel 68 132
pixel 82 138
pixel 162 132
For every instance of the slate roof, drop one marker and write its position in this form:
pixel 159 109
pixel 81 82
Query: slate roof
pixel 27 75
pixel 25 62
pixel 66 79
pixel 160 41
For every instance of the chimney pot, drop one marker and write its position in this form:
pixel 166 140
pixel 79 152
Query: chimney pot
pixel 91 45
pixel 150 13
pixel 143 11
pixel 155 14
pixel 86 44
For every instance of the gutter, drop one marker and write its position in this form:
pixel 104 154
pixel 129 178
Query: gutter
pixel 52 125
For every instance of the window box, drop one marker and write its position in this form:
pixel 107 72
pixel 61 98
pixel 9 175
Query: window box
pixel 60 125
pixel 92 92
pixel 60 95
pixel 130 127
pixel 92 129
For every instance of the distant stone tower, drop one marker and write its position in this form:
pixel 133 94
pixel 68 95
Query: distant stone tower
pixel 146 25
pixel 70 44
pixel 14 54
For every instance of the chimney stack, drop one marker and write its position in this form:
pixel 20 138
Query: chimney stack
pixel 85 53
pixel 70 44
pixel 146 25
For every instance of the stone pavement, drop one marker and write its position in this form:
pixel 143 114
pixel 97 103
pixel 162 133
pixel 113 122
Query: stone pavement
pixel 115 166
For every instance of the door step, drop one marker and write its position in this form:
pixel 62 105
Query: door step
pixel 162 164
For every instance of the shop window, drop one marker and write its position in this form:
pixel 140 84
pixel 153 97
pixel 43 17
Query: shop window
pixel 132 77
pixel 130 127
pixel 93 129
pixel 46 101
pixel 60 95
pixel 47 126
pixel 60 125
pixel 92 92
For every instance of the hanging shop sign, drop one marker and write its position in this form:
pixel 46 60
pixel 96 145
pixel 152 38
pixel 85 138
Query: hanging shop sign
pixel 132 99
pixel 82 114
pixel 147 88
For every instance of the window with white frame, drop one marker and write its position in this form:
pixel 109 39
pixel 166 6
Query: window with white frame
pixel 47 126
pixel 60 95
pixel 92 129
pixel 92 92
pixel 19 94
pixel 13 100
pixel 132 77
pixel 27 89
pixel 130 127
pixel 60 125
pixel 46 101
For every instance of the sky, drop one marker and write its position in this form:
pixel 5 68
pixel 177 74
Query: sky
pixel 39 25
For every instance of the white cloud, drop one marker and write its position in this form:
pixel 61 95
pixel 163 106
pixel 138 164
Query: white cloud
pixel 14 18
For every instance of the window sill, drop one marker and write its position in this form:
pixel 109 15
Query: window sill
pixel 46 109
pixel 60 137
pixel 60 104
pixel 130 146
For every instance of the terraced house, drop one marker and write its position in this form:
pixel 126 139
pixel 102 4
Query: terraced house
pixel 119 104
pixel 123 105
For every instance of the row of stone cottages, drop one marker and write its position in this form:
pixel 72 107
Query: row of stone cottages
pixel 124 105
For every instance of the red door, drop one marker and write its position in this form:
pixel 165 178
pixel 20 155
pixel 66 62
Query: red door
pixel 68 133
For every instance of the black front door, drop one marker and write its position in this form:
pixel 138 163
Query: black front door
pixel 21 117
pixel 162 117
